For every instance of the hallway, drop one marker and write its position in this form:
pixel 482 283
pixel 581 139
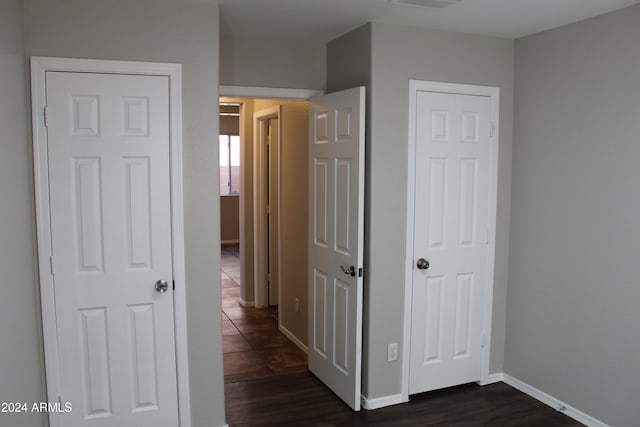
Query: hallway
pixel 254 348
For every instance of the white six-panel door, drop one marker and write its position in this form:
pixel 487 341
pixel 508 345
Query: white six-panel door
pixel 452 221
pixel 336 230
pixel 110 206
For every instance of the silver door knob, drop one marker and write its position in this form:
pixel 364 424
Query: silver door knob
pixel 422 264
pixel 351 271
pixel 162 286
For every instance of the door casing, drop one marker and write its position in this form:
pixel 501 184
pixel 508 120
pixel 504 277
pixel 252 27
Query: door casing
pixel 493 93
pixel 261 245
pixel 39 67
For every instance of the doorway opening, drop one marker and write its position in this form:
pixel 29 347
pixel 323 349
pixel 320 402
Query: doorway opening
pixel 310 309
pixel 263 191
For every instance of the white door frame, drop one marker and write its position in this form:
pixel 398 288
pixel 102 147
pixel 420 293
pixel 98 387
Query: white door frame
pixel 260 243
pixel 493 93
pixel 39 67
pixel 267 92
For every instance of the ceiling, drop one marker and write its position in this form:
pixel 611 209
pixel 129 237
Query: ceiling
pixel 324 20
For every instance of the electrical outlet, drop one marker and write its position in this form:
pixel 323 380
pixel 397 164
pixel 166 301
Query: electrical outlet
pixel 392 352
pixel 296 305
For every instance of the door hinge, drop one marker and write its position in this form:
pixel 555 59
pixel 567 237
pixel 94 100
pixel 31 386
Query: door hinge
pixel 52 265
pixel 492 129
pixel 46 116
pixel 174 284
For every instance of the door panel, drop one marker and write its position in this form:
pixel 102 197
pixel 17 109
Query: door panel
pixel 342 199
pixel 320 198
pixel 108 138
pixel 451 225
pixel 336 229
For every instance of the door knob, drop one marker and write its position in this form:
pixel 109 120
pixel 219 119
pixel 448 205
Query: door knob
pixel 351 271
pixel 162 286
pixel 422 264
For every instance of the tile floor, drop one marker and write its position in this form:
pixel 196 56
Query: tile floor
pixel 253 346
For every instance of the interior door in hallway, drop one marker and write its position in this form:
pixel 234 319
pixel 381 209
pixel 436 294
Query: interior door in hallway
pixel 336 231
pixel 451 241
pixel 110 204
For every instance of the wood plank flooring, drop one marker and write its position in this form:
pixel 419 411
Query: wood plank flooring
pixel 253 346
pixel 301 400
pixel 267 383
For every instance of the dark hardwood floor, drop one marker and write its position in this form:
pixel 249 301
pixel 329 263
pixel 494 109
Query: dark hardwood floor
pixel 267 383
pixel 253 346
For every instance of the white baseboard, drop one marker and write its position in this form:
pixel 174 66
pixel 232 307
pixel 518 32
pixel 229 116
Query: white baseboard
pixel 493 378
pixel 381 402
pixel 556 404
pixel 293 338
pixel 244 303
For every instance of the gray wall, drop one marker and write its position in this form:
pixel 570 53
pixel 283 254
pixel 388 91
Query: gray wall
pixel 272 63
pixel 164 31
pixel 349 61
pixel 572 318
pixel 397 55
pixel 21 360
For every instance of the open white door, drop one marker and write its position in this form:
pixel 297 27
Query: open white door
pixel 336 231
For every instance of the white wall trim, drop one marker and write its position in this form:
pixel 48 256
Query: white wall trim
pixel 39 67
pixel 493 378
pixel 302 346
pixel 381 402
pixel 493 93
pixel 551 401
pixel 245 304
pixel 267 92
